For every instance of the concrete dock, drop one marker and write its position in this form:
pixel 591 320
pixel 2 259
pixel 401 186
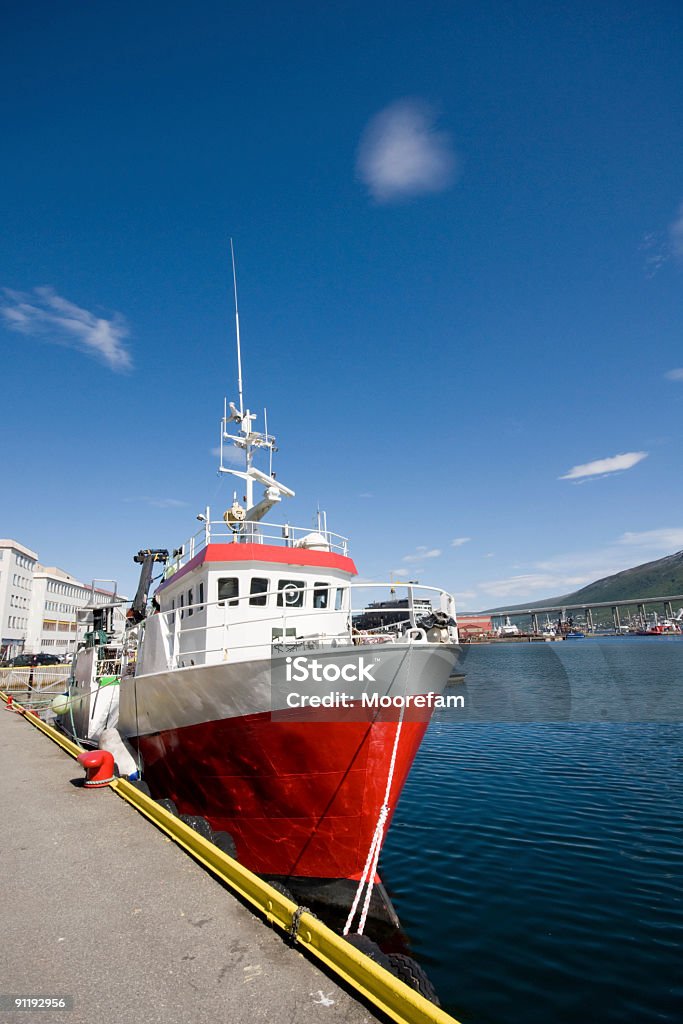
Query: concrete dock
pixel 98 904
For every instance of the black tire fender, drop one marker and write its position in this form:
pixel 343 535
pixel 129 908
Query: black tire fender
pixel 409 971
pixel 225 842
pixel 283 890
pixel 365 945
pixel 199 824
pixel 169 805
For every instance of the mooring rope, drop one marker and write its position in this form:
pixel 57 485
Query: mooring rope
pixel 370 869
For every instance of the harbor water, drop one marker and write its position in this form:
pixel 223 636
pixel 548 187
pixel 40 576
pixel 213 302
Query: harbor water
pixel 536 857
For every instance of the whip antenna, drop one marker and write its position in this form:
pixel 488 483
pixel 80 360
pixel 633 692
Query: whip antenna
pixel 237 330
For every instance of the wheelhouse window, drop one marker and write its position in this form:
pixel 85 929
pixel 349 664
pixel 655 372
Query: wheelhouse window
pixel 259 590
pixel 228 590
pixel 339 599
pixel 171 617
pixel 290 593
pixel 181 605
pixel 201 597
pixel 190 602
pixel 321 595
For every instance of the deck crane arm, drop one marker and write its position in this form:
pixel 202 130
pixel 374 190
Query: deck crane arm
pixel 147 558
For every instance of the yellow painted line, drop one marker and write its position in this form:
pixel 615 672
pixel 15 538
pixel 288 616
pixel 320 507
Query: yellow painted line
pixel 394 998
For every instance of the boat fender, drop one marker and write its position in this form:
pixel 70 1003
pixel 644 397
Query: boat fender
pixel 364 944
pixel 60 705
pixel 410 972
pixel 99 768
pixel 111 740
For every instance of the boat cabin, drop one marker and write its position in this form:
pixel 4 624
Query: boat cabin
pixel 234 601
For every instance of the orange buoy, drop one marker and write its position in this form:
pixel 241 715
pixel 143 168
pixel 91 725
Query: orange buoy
pixel 99 767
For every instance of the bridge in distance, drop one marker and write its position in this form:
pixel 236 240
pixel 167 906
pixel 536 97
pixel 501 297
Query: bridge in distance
pixel 667 605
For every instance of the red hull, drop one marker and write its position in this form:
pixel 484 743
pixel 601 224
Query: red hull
pixel 299 798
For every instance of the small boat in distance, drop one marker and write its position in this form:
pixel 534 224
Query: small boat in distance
pixel 507 629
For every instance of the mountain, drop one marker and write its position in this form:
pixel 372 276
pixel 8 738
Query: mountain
pixel 660 578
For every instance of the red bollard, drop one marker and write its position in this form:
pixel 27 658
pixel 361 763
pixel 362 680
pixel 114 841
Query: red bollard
pixel 99 767
pixel 9 706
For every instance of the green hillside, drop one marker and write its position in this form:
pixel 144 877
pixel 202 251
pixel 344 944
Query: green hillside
pixel 660 578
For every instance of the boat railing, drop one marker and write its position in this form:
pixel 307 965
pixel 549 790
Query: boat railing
pixel 288 628
pixel 277 534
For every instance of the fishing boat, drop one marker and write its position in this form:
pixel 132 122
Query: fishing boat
pixel 247 694
pixel 660 627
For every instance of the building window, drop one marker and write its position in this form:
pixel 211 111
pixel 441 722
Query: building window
pixel 290 593
pixel 228 590
pixel 259 590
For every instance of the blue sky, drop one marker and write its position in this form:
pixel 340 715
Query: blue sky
pixel 459 233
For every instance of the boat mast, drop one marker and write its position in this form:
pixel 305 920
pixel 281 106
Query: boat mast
pixel 237 331
pixel 246 439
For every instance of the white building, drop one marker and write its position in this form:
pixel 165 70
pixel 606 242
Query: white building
pixel 57 598
pixel 39 604
pixel 17 564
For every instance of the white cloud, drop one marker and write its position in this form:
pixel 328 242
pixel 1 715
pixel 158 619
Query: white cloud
pixel 561 574
pixel 458 542
pixel 657 252
pixel 665 539
pixel 603 467
pixel 522 586
pixel 401 153
pixel 400 572
pixel 659 247
pixel 676 374
pixel 45 313
pixel 676 233
pixel 422 552
pixel 159 502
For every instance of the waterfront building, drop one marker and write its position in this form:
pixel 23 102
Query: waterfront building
pixel 17 565
pixel 474 627
pixel 40 605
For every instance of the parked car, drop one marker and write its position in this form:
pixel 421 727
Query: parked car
pixel 33 660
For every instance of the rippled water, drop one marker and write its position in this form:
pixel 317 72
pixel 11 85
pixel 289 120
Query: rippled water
pixel 538 867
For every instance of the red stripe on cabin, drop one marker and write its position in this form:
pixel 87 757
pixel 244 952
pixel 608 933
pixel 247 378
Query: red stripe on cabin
pixel 265 553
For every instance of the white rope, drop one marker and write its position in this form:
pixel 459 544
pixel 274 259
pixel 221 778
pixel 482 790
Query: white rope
pixel 370 869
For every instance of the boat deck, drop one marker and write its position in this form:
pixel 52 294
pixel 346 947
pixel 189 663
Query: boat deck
pixel 101 906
